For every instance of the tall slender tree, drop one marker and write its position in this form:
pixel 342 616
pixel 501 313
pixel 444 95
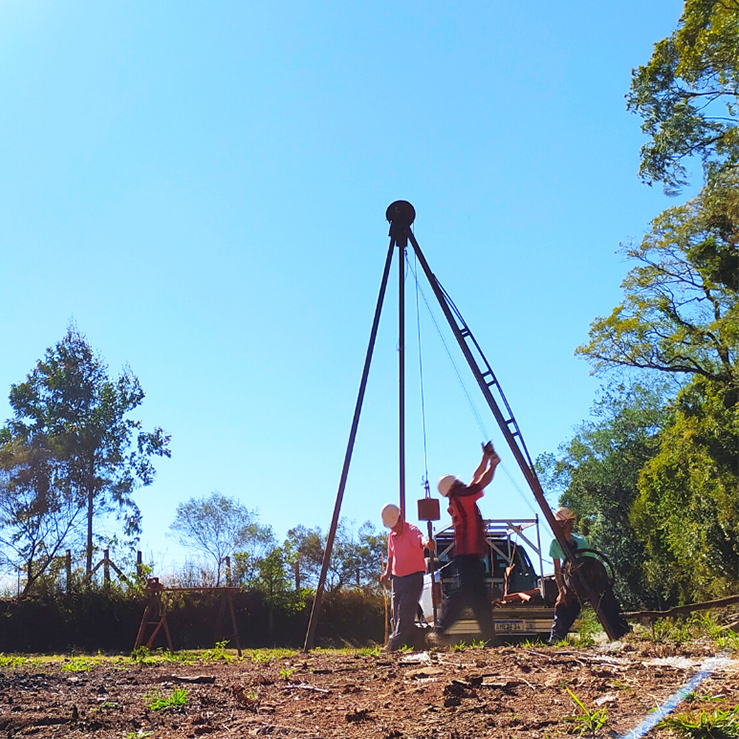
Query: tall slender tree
pixel 71 404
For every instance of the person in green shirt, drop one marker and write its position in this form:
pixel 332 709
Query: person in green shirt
pixel 567 606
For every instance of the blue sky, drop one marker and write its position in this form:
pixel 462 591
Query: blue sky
pixel 202 188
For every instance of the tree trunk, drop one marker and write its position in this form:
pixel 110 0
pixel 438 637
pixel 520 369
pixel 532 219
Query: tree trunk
pixel 90 501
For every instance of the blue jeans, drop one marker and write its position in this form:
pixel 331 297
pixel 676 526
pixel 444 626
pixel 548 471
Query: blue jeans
pixel 406 594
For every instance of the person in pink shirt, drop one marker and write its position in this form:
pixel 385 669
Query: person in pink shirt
pixel 405 566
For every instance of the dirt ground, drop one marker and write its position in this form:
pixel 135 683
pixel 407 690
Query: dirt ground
pixel 505 691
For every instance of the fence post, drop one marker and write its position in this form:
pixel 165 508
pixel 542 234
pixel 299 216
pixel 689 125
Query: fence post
pixel 68 564
pixel 106 568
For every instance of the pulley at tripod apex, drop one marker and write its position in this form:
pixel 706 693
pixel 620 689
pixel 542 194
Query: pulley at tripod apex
pixel 400 213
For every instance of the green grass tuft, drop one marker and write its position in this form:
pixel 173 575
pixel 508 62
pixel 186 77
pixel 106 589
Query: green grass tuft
pixel 177 700
pixel 715 725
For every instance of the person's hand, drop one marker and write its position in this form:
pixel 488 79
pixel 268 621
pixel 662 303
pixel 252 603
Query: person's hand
pixel 562 599
pixel 430 544
pixel 384 578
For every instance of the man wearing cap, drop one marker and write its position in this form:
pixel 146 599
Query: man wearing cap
pixel 405 566
pixel 470 548
pixel 567 607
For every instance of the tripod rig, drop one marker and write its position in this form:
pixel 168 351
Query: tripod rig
pixel 401 215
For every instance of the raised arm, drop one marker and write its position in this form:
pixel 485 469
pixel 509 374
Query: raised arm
pixel 486 469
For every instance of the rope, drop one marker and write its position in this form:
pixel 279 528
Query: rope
pixel 423 397
pixel 470 402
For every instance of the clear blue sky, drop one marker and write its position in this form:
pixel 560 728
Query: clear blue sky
pixel 202 188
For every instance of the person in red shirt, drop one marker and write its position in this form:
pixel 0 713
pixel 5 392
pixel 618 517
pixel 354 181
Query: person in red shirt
pixel 470 548
pixel 405 566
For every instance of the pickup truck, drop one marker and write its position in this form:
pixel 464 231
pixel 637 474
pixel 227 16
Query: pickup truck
pixel 523 602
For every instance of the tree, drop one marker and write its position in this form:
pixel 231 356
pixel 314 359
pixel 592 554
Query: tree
pixel 597 475
pixel 680 313
pixel 688 95
pixel 273 580
pixel 680 318
pixel 70 404
pixel 355 558
pixel 35 519
pixel 218 526
pixel 687 509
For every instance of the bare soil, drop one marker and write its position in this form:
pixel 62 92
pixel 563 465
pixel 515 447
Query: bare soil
pixel 505 691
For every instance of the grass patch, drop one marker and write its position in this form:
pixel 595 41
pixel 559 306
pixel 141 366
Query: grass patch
pixel 286 672
pixel 12 660
pixel 717 724
pixel 218 653
pixel 587 722
pixel 80 664
pixel 158 701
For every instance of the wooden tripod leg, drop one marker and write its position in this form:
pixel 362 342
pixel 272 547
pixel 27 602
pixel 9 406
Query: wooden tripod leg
pixel 142 627
pixel 166 631
pixel 233 623
pixel 219 620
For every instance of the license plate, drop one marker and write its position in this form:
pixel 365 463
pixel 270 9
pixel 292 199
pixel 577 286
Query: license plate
pixel 509 625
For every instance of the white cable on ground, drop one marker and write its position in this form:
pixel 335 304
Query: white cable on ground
pixel 708 667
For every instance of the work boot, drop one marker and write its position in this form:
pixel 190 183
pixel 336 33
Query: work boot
pixel 435 639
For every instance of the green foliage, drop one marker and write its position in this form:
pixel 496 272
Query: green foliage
pixel 286 672
pixel 597 474
pixel 588 722
pixel 687 510
pixel 678 316
pixel 12 660
pixel 724 638
pixel 719 724
pixel 218 526
pixel 71 452
pixel 81 664
pixel 218 653
pixel 688 94
pixel 695 697
pixel 589 627
pixel 355 559
pixel 177 699
pixel 260 657
pixel 268 655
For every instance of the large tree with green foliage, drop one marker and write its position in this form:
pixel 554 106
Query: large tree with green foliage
pixel 218 526
pixel 680 318
pixel 355 558
pixel 597 476
pixel 687 510
pixel 680 313
pixel 70 406
pixel 36 519
pixel 688 95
